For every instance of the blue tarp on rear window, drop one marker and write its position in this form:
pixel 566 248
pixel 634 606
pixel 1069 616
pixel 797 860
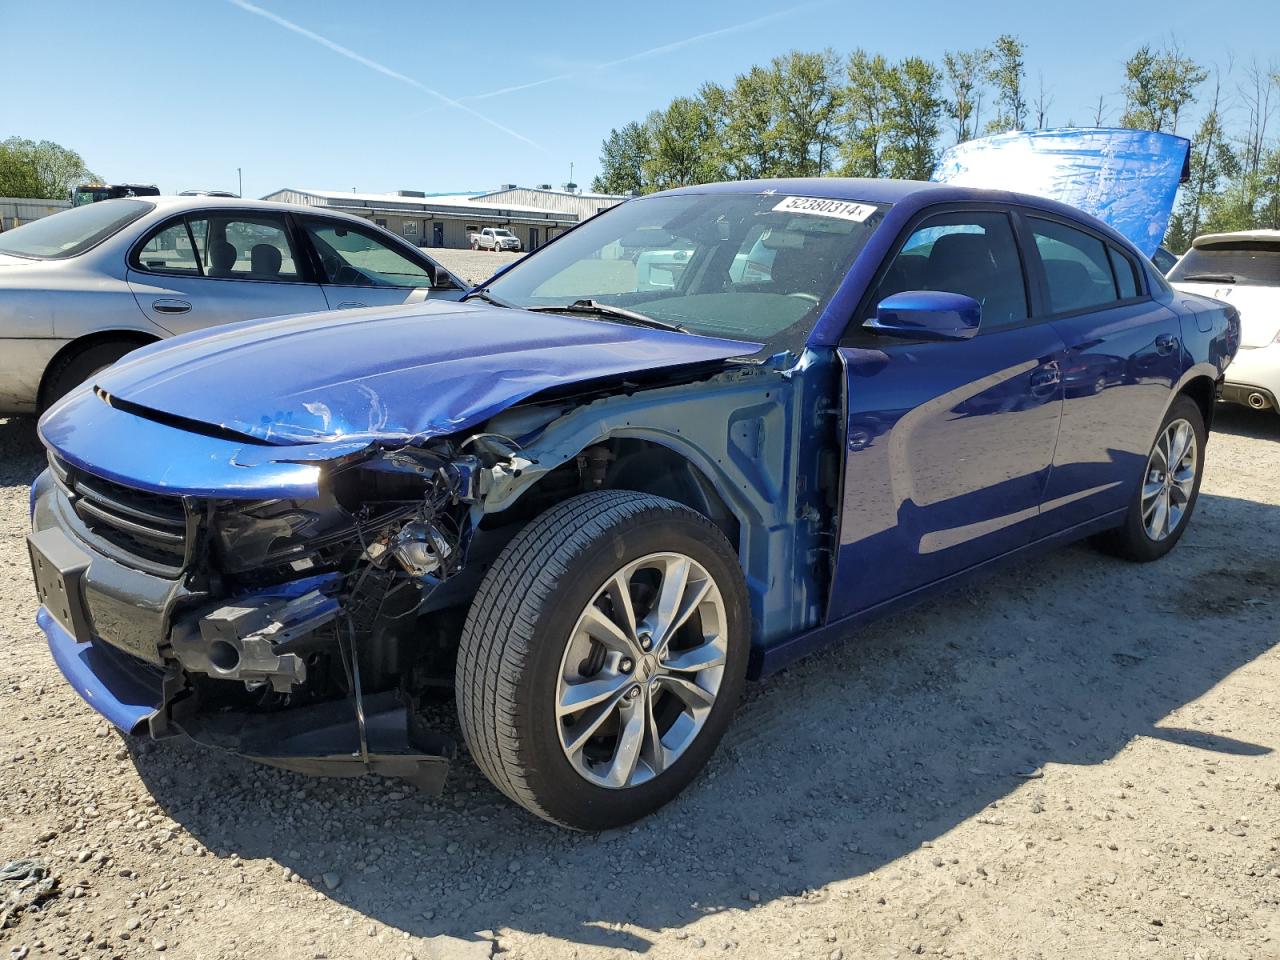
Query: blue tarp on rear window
pixel 1126 178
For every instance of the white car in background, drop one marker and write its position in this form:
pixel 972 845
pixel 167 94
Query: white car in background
pixel 1242 269
pixel 81 288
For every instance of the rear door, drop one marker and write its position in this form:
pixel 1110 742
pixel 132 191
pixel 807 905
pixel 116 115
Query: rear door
pixel 1123 356
pixel 363 267
pixel 948 444
pixel 220 266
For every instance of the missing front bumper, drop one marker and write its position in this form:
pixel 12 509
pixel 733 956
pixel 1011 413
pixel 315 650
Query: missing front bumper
pixel 318 740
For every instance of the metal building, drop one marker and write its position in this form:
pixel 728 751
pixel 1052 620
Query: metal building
pixel 583 204
pixel 431 220
pixel 15 211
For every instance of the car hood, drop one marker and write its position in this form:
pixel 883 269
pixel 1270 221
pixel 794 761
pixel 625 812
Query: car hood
pixel 1128 179
pixel 384 373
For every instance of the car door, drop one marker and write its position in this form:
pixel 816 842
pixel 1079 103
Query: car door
pixel 1123 355
pixel 220 266
pixel 948 443
pixel 361 268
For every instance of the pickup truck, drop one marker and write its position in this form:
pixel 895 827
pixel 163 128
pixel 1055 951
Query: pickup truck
pixel 592 507
pixel 495 238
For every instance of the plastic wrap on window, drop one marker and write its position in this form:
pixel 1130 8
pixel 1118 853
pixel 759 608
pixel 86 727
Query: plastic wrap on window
pixel 1126 178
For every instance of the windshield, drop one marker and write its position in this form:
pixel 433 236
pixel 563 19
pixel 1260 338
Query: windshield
pixel 71 232
pixel 736 265
pixel 1253 262
pixel 503 233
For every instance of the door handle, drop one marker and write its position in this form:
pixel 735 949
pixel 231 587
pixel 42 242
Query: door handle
pixel 350 305
pixel 1166 343
pixel 165 305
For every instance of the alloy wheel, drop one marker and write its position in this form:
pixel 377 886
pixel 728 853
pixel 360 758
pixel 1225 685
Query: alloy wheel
pixel 1169 481
pixel 641 670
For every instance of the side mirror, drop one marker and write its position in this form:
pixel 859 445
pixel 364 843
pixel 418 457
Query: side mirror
pixel 445 281
pixel 927 315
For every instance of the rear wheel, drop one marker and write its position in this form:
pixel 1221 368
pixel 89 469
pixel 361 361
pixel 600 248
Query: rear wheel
pixel 1163 503
pixel 77 365
pixel 603 657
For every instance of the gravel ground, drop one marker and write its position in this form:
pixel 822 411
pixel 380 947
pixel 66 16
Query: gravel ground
pixel 1073 759
pixel 473 265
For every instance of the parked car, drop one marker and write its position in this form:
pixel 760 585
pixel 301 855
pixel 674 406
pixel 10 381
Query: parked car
pixel 208 193
pixel 1242 269
pixel 595 511
pixel 494 238
pixel 1164 259
pixel 81 288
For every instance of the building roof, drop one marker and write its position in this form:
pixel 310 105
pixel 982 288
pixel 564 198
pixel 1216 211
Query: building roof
pixel 584 195
pixel 464 201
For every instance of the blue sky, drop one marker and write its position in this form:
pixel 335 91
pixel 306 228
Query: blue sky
pixel 451 97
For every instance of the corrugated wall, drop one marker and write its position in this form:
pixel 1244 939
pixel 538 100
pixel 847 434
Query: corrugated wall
pixel 19 210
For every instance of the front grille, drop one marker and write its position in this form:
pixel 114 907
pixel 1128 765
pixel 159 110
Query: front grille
pixel 142 529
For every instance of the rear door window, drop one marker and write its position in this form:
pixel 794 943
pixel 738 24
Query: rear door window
pixel 1077 267
pixel 245 247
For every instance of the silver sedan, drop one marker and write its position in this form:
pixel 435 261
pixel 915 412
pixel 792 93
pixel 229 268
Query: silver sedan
pixel 80 289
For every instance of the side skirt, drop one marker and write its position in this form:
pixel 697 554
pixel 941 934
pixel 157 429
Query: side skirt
pixel 777 656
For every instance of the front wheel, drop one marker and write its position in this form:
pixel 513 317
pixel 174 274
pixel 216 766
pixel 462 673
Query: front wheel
pixel 1163 503
pixel 603 657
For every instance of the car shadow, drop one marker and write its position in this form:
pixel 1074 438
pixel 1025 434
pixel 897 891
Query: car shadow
pixel 1243 422
pixel 21 454
pixel 834 768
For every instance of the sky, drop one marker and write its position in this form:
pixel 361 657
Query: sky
pixel 459 97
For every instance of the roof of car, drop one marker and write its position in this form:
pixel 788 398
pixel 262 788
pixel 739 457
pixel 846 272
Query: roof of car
pixel 911 194
pixel 169 202
pixel 864 189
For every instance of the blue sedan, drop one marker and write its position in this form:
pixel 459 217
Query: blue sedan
pixel 700 435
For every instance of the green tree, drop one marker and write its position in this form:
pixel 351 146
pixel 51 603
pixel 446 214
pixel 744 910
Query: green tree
pixel 622 158
pixel 1213 163
pixel 1007 73
pixel 914 119
pixel 750 137
pixel 966 74
pixel 41 171
pixel 807 93
pixel 1158 86
pixel 867 101
pixel 683 152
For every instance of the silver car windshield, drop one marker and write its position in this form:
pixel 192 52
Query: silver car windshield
pixel 744 266
pixel 71 232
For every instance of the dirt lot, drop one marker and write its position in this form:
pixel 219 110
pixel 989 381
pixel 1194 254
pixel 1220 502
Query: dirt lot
pixel 1075 759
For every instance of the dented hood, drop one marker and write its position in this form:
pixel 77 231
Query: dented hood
pixel 378 373
pixel 1128 179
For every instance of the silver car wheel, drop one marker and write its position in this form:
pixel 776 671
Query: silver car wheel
pixel 1170 480
pixel 641 670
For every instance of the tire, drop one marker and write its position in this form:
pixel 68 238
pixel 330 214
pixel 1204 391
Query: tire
pixel 76 366
pixel 1132 539
pixel 521 639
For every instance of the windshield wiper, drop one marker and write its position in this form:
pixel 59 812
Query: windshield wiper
pixel 599 309
pixel 1210 277
pixel 486 296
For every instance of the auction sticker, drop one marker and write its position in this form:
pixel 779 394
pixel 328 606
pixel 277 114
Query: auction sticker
pixel 822 207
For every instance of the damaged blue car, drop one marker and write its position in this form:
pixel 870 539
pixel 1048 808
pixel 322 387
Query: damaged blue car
pixel 693 439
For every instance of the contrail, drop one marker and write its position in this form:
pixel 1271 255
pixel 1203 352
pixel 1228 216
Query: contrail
pixel 379 68
pixel 652 52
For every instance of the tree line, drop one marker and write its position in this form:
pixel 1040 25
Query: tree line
pixel 40 171
pixel 862 115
